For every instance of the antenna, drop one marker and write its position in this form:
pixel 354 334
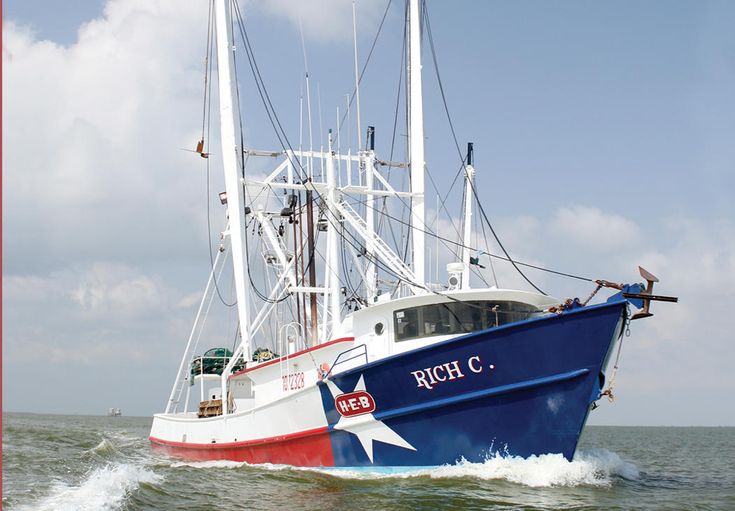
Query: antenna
pixel 436 229
pixel 357 77
pixel 301 120
pixel 371 138
pixel 310 159
pixel 321 138
pixel 310 203
pixel 339 151
pixel 349 142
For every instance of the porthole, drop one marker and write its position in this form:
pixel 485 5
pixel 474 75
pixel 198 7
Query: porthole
pixel 379 328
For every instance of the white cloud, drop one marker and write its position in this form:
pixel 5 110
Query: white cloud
pixel 685 350
pixel 680 354
pixel 97 314
pixel 326 20
pixel 189 300
pixel 593 229
pixel 95 133
pixel 114 289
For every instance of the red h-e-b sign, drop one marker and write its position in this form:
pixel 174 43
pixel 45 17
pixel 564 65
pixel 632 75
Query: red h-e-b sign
pixel 354 403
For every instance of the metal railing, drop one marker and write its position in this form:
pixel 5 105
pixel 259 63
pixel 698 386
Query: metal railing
pixel 339 360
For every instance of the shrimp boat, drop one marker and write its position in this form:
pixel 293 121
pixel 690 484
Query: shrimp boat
pixel 392 370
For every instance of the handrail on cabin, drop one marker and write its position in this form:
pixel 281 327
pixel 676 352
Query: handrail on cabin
pixel 338 360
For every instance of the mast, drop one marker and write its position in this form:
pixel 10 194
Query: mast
pixel 416 140
pixel 370 269
pixel 467 233
pixel 312 263
pixel 230 152
pixel 333 267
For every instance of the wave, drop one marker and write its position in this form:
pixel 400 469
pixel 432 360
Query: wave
pixel 596 467
pixel 104 448
pixel 212 464
pixel 103 488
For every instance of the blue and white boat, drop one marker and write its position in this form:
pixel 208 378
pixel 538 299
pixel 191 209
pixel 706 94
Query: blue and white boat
pixel 391 371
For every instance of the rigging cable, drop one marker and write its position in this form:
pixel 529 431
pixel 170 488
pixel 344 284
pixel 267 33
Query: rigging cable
pixel 265 99
pixel 487 250
pixel 275 122
pixel 270 110
pixel 384 210
pixel 496 256
pixel 255 289
pixel 364 67
pixel 459 151
pixel 206 66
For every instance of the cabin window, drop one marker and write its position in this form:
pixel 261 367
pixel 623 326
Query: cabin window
pixel 453 318
pixel 379 328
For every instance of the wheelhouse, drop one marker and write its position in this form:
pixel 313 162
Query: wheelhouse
pixel 455 318
pixel 407 323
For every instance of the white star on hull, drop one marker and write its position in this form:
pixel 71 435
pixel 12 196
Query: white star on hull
pixel 366 427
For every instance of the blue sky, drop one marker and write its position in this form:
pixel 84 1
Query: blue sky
pixel 603 134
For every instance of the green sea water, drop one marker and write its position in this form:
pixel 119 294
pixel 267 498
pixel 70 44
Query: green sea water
pixel 53 462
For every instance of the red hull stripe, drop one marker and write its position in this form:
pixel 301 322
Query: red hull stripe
pixel 307 350
pixel 307 448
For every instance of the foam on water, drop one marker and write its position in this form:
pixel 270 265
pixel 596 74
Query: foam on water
pixel 595 467
pixel 210 464
pixel 104 488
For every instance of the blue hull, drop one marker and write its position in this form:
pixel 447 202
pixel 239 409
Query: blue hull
pixel 521 389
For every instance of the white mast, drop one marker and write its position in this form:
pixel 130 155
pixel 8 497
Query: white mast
pixel 466 235
pixel 332 267
pixel 416 140
pixel 370 269
pixel 233 186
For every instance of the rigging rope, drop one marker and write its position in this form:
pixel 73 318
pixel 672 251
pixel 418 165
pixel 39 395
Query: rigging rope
pixel 495 256
pixel 278 128
pixel 206 66
pixel 335 222
pixel 402 70
pixel 459 151
pixel 283 138
pixel 364 67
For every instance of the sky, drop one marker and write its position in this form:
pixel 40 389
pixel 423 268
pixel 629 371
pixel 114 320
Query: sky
pixel 603 137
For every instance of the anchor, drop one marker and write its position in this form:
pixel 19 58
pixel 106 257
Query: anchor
pixel 647 296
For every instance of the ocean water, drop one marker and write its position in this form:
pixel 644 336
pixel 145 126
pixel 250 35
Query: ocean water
pixel 53 462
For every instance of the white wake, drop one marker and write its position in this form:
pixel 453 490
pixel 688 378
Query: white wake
pixel 593 467
pixel 103 489
pixel 596 467
pixel 211 464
